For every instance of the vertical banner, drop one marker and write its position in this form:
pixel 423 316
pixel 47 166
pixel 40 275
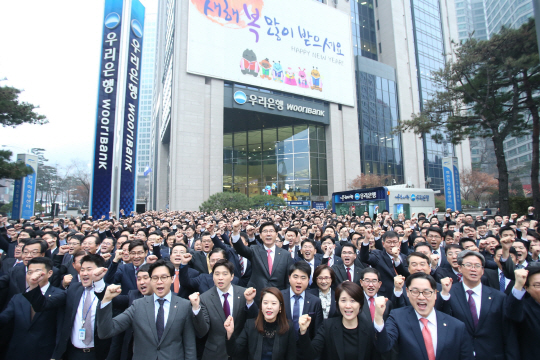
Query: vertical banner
pixel 452 191
pixel 24 196
pixel 128 171
pixel 457 189
pixel 106 110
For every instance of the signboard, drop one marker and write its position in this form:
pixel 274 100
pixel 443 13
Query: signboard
pixel 24 193
pixel 360 195
pixel 252 100
pixel 279 44
pixel 128 167
pixel 299 203
pixel 319 205
pixel 452 192
pixel 106 110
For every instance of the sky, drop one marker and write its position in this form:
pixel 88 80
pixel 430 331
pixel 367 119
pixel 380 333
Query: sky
pixel 51 50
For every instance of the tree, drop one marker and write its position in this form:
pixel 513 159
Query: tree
pixel 369 180
pixel 267 202
pixel 13 112
pixel 12 170
pixel 82 178
pixel 483 94
pixel 516 188
pixel 475 184
pixel 226 200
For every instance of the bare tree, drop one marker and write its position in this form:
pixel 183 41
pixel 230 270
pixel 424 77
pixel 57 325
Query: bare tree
pixel 363 181
pixel 475 184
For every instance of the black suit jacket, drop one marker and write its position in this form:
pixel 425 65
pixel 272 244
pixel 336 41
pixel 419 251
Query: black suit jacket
pixel 382 262
pixel 32 338
pixel 260 277
pixel 15 282
pixel 526 314
pixel 495 336
pixel 7 264
pixel 441 273
pixel 68 301
pixel 333 308
pixel 123 274
pixel 191 280
pixel 492 277
pixel 232 256
pixel 341 272
pixel 312 307
pixel 248 345
pixel 328 342
pixel 199 263
pixel 367 314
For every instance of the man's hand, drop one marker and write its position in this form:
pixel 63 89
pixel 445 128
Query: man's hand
pixel 446 285
pixel 67 280
pixel 329 250
pixel 236 227
pixel 62 250
pixel 195 300
pixel 111 292
pixel 521 278
pixel 229 326
pixel 98 274
pixel 186 258
pixel 399 280
pixel 303 323
pixel 249 294
pixel 380 307
pixel 106 256
pixel 434 260
pixel 118 255
pixel 151 259
pixel 395 253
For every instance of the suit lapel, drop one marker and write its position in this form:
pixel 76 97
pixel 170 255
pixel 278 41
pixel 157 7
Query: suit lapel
pixel 415 329
pixel 442 331
pixel 461 298
pixel 173 310
pixel 287 299
pixel 151 315
pixel 307 304
pixel 264 258
pixel 216 303
pixel 485 305
pixel 277 260
pixel 48 293
pixel 77 300
pixel 338 338
pixel 21 278
pixel 238 303
pixel 25 309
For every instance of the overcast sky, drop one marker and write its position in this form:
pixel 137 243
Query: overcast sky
pixel 51 49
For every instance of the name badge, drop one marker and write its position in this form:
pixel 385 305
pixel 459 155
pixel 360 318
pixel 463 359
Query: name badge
pixel 82 334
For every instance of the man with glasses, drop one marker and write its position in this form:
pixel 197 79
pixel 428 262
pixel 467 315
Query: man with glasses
pixel 388 262
pixel 435 237
pixel 484 310
pixel 371 284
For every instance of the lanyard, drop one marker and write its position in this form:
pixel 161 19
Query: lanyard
pixel 84 316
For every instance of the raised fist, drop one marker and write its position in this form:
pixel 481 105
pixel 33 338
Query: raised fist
pixel 303 323
pixel 195 300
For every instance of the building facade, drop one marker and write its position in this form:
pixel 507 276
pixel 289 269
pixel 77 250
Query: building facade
pixel 205 141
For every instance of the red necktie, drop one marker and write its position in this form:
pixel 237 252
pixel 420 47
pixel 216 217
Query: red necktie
pixel 372 308
pixel 349 274
pixel 269 261
pixel 460 277
pixel 428 340
pixel 177 282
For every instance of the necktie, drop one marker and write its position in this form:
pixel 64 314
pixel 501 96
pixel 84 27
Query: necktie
pixel 460 277
pixel 177 281
pixel 269 261
pixel 296 313
pixel 330 261
pixel 502 283
pixel 428 341
pixel 160 320
pixel 226 306
pixel 241 260
pixel 372 307
pixel 472 306
pixel 394 266
pixel 311 275
pixel 87 317
pixel 349 274
pixel 435 252
pixel 520 266
pixel 19 263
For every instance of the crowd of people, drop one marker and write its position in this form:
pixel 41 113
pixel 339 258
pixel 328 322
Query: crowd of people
pixel 270 284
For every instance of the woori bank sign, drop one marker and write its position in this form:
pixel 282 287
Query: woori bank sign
pixel 302 46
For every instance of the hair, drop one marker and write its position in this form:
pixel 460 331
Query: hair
pixel 159 263
pixel 353 290
pixel 348 244
pixel 282 322
pixel 533 270
pixel 389 234
pixel 42 243
pixel 463 240
pixel 434 229
pixel 300 266
pixel 370 271
pixel 128 243
pixel 506 228
pixel 179 244
pixel 263 225
pixel 217 250
pixel 524 242
pixel 42 260
pixel 54 234
pixel 420 275
pixel 76 254
pixel 533 233
pixel 30 233
pixel 466 253
pixel 452 246
pixel 206 233
pixel 326 237
pixel 418 254
pixel 320 269
pixel 93 258
pixel 295 231
pixel 135 243
pixel 423 243
pixel 95 237
pixel 226 263
pixel 144 268
pixel 312 242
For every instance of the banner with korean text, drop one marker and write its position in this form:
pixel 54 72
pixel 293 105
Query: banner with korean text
pixel 301 47
pixel 106 110
pixel 24 191
pixel 128 170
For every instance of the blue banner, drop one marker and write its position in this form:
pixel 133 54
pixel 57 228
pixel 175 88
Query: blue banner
pixel 24 195
pixel 106 110
pixel 128 171
pixel 319 205
pixel 457 186
pixel 448 175
pixel 17 197
pixel 29 199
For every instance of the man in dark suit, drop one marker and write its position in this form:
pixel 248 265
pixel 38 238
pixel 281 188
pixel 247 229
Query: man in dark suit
pixel 483 310
pixel 77 337
pixel 371 284
pixel 452 251
pixel 389 261
pixel 422 331
pixel 308 253
pixel 269 262
pixel 31 328
pixel 242 266
pixel 125 274
pixel 211 309
pixel 162 324
pixel 200 261
pixel 329 248
pixel 349 268
pixel 435 237
pixel 496 278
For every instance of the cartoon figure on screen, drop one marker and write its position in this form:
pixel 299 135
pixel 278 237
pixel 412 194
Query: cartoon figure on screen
pixel 265 69
pixel 277 72
pixel 302 78
pixel 289 77
pixel 315 81
pixel 249 64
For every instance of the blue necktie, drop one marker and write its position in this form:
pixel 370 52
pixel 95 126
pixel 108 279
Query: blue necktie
pixel 502 283
pixel 160 320
pixel 296 313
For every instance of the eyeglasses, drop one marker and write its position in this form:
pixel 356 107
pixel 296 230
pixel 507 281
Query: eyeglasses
pixel 427 293
pixel 392 242
pixel 268 231
pixel 324 278
pixel 163 278
pixel 75 243
pixel 138 253
pixel 370 281
pixel 33 253
pixel 470 266
pixel 434 237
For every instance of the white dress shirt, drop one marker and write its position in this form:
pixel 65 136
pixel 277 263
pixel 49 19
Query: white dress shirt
pixel 301 301
pixel 477 296
pixel 506 280
pixel 43 288
pixel 351 271
pixel 99 286
pixel 230 298
pixel 272 252
pixel 166 307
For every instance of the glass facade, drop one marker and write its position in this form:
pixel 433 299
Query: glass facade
pixel 509 13
pixel 290 157
pixel 380 150
pixel 428 36
pixel 363 28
